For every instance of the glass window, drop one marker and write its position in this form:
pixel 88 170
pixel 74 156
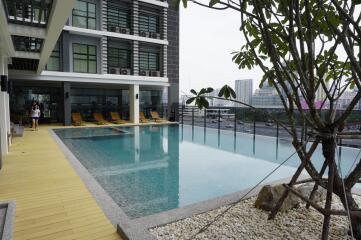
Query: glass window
pixel 149 23
pixel 84 15
pixel 118 57
pixel 54 59
pixel 118 14
pixel 84 58
pixel 149 60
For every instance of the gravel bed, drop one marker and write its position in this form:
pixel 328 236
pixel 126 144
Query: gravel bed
pixel 244 221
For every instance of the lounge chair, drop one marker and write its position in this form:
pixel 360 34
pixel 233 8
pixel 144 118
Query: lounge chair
pixel 99 119
pixel 142 118
pixel 115 118
pixel 77 119
pixel 156 117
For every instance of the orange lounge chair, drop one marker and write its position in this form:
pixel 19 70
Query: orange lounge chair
pixel 99 119
pixel 77 119
pixel 156 117
pixel 115 118
pixel 142 118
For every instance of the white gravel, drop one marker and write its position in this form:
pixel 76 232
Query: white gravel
pixel 244 221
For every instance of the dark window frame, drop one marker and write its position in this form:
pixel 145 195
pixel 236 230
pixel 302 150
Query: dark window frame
pixel 87 57
pixel 87 17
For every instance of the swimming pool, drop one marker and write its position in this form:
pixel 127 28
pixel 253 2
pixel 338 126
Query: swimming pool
pixel 151 169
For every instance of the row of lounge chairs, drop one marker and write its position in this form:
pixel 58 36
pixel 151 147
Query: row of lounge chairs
pixel 115 118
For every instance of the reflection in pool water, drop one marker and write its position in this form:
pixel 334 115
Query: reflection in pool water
pixel 150 169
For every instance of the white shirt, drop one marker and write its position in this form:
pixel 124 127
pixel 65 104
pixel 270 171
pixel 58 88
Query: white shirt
pixel 35 113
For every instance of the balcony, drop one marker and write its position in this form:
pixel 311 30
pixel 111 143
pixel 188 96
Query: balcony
pixel 119 17
pixel 119 57
pixel 32 13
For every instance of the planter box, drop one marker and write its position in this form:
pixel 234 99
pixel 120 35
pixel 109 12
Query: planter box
pixel 7 215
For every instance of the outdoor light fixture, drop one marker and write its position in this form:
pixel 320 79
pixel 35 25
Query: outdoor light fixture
pixel 67 95
pixel 4 83
pixel 136 96
pixel 10 87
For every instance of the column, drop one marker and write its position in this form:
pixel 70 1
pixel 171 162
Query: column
pixel 67 103
pixel 7 104
pixel 134 103
pixel 3 110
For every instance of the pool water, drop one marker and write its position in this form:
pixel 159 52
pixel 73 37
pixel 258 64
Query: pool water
pixel 151 169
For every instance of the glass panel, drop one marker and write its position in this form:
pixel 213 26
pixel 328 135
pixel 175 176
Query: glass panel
pixel 92 66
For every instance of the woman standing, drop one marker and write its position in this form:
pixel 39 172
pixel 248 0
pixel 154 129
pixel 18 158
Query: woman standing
pixel 35 114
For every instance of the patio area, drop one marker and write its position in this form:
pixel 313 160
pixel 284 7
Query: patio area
pixel 51 200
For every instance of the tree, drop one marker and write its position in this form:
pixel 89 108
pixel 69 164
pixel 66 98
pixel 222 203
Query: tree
pixel 304 47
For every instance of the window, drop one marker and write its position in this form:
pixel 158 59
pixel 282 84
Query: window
pixel 118 14
pixel 149 60
pixel 149 20
pixel 84 58
pixel 84 15
pixel 28 44
pixel 54 59
pixel 118 57
pixel 148 23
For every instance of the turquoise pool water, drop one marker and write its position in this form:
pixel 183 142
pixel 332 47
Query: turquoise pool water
pixel 150 169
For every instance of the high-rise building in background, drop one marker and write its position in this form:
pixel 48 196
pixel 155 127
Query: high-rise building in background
pixel 266 97
pixel 244 90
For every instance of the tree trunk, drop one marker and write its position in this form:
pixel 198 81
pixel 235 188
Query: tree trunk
pixel 329 152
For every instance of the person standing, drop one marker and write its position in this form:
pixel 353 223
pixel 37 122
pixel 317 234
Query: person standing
pixel 35 114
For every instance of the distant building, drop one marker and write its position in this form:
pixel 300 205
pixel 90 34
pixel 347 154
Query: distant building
pixel 345 100
pixel 266 97
pixel 244 89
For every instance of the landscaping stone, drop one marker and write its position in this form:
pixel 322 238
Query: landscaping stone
pixel 244 221
pixel 269 196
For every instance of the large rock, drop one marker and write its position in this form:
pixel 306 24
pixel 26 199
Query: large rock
pixel 269 196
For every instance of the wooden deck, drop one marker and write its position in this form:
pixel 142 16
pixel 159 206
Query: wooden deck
pixel 51 200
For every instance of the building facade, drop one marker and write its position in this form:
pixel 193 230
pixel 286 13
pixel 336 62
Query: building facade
pixel 244 90
pixel 266 97
pixel 88 56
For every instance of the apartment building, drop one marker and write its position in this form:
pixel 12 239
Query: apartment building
pixel 87 56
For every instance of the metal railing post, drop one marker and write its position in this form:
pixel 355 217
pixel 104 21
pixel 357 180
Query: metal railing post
pixel 182 113
pixel 219 120
pixel 235 121
pixel 205 118
pixel 192 117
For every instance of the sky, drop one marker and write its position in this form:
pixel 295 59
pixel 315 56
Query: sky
pixel 207 39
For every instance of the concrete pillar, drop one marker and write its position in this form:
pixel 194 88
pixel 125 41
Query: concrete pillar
pixel 7 104
pixel 3 112
pixel 67 103
pixel 134 103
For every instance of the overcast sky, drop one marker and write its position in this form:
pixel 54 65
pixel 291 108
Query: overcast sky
pixel 207 39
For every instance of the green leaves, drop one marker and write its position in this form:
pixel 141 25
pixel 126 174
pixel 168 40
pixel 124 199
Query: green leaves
pixel 199 99
pixel 213 2
pixel 227 92
pixel 356 2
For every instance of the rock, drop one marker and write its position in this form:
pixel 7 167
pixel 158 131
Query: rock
pixel 269 196
pixel 305 190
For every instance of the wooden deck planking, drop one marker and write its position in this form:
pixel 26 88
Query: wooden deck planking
pixel 51 200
